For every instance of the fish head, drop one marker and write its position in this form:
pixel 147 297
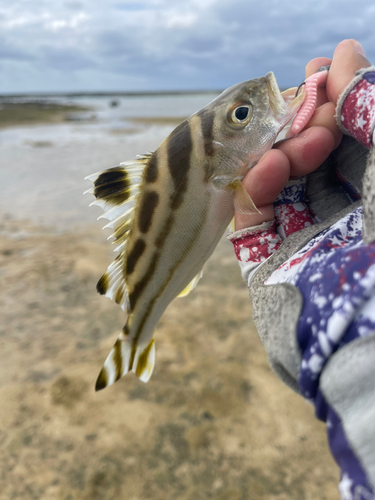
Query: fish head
pixel 250 115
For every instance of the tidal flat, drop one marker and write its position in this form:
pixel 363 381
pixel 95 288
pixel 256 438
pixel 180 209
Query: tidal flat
pixel 15 114
pixel 214 422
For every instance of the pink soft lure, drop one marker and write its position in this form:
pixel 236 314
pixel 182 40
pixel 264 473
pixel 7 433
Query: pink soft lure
pixel 308 107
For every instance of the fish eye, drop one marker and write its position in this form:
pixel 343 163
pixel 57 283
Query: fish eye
pixel 240 114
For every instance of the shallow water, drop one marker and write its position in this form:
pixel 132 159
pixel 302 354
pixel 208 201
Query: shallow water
pixel 42 167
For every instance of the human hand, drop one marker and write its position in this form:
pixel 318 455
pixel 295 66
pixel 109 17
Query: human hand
pixel 303 153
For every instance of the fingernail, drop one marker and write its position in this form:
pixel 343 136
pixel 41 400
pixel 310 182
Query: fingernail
pixel 358 47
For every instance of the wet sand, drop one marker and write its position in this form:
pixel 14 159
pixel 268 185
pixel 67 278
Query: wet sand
pixel 14 114
pixel 214 422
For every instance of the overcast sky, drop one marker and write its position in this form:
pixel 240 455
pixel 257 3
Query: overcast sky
pixel 129 45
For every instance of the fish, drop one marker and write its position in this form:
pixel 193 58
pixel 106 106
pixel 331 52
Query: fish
pixel 169 209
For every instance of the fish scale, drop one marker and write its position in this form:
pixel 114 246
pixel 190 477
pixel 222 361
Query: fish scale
pixel 170 208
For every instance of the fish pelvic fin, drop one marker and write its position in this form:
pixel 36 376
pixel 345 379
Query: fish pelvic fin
pixel 193 283
pixel 116 191
pixel 126 355
pixel 243 203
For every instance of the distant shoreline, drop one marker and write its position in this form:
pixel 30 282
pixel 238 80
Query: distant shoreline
pixel 15 114
pixel 37 95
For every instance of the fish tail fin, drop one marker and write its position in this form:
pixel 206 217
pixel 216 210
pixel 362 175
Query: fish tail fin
pixel 126 355
pixel 144 361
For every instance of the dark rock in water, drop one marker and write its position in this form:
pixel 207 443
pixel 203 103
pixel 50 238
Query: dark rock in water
pixel 80 117
pixel 114 103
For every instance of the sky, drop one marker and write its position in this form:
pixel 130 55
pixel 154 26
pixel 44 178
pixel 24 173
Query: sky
pixel 148 45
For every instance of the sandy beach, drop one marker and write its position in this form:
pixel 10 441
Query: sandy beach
pixel 214 422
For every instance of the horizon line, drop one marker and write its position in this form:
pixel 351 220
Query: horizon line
pixel 110 93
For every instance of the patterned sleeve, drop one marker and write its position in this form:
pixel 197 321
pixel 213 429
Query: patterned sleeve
pixel 254 245
pixel 335 275
pixel 356 107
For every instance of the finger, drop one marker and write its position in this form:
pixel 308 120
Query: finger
pixel 324 116
pixel 313 65
pixel 311 68
pixel 263 183
pixel 347 59
pixel 307 150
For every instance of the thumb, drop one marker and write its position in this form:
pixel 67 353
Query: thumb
pixel 349 57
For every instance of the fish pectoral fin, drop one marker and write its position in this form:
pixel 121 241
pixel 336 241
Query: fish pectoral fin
pixel 144 361
pixel 243 204
pixel 193 283
pixel 232 226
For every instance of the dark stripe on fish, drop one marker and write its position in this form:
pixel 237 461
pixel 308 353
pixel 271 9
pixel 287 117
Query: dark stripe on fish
pixel 117 358
pixel 147 207
pixel 179 147
pixel 195 234
pixel 152 169
pixel 134 254
pixel 102 380
pixel 119 295
pixel 142 360
pixel 113 186
pixel 110 175
pixel 132 355
pixel 207 123
pixel 165 231
pixel 102 284
pixel 141 285
pixel 122 230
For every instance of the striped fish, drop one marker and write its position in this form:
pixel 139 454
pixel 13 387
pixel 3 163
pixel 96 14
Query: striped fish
pixel 169 209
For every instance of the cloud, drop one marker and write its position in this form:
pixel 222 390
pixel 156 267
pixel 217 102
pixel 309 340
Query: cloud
pixel 163 44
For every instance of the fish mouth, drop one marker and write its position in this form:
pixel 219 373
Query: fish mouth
pixel 283 104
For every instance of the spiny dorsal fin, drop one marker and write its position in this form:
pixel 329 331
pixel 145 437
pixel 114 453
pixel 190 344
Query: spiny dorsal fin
pixel 126 356
pixel 193 283
pixel 116 190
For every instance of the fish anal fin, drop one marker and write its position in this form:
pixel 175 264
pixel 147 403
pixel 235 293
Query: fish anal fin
pixel 145 361
pixel 193 283
pixel 243 203
pixel 113 285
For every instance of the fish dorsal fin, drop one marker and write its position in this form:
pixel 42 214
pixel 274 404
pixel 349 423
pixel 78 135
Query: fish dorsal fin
pixel 193 283
pixel 116 190
pixel 243 203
